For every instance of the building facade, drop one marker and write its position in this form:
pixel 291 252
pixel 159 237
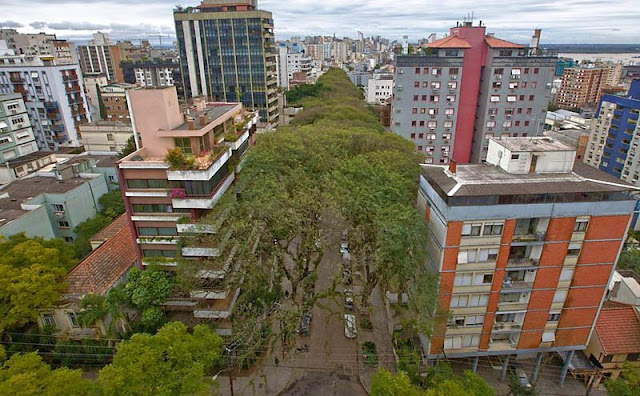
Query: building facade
pixel 16 134
pixel 114 100
pixel 53 95
pixel 100 56
pixel 155 74
pixel 472 87
pixel 615 135
pixel 227 53
pixel 380 88
pixel 581 86
pixel 525 246
pixel 167 202
pixel 40 44
pixel 105 136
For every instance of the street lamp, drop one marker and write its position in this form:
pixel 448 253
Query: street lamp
pixel 215 377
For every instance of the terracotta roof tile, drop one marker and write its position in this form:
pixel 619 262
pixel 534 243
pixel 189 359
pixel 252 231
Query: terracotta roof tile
pixel 450 42
pixel 105 265
pixel 618 329
pixel 112 229
pixel 499 43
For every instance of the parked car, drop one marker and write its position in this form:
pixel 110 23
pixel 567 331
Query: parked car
pixel 305 324
pixel 344 248
pixel 347 279
pixel 350 330
pixel 521 375
pixel 348 299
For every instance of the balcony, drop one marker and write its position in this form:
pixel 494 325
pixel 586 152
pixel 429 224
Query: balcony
pixel 516 285
pixel 206 165
pixel 236 139
pixel 218 309
pixel 203 202
pixel 157 240
pixel 506 326
pixel 200 252
pixel 522 262
pixel 192 228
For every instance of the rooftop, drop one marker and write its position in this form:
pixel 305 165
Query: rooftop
pixel 534 144
pixel 494 42
pixel 112 229
pixel 489 180
pixel 25 159
pixel 450 42
pixel 618 329
pixel 105 265
pixel 213 112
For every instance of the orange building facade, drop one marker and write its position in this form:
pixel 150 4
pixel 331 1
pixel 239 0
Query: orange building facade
pixel 525 249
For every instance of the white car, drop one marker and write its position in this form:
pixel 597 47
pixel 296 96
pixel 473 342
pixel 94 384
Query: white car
pixel 350 326
pixel 344 248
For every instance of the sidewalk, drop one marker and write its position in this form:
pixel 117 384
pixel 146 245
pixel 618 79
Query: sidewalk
pixel 269 380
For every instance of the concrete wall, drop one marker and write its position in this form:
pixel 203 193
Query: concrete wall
pixel 36 223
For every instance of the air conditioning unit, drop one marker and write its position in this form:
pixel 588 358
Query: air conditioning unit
pixel 59 214
pixel 433 116
pixel 14 111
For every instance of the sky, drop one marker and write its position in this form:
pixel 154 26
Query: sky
pixel 568 21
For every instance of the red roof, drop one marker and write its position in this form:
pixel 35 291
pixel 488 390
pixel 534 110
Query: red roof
pixel 105 265
pixel 618 329
pixel 450 42
pixel 112 229
pixel 499 43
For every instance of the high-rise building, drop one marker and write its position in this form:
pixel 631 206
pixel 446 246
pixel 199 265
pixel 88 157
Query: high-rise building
pixel 100 56
pixel 167 201
pixel 380 88
pixel 53 94
pixel 114 100
pixel 227 53
pixel 40 44
pixel 615 135
pixel 290 62
pixel 473 86
pixel 581 86
pixel 525 246
pixel 16 135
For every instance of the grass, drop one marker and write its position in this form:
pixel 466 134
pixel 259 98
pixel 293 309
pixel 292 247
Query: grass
pixel 369 354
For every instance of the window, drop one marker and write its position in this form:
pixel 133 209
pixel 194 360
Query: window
pixel 534 84
pixel 433 111
pixel 515 156
pixel 513 85
pixel 449 111
pixel 478 300
pixel 549 336
pixel 435 84
pixel 110 137
pixel 452 85
pixel 517 123
pixel 463 279
pixel 487 279
pixel 506 124
pixel 532 98
pixel 434 98
pixel 492 229
pixel 451 98
pixel 419 148
pixel 63 224
pixel 421 135
pixel 495 98
pixel 471 229
pixel 560 295
pixel 448 124
pixel 152 208
pixel 522 97
pixel 159 253
pixel 512 98
pixel 451 53
pixel 58 207
pixel 421 123
pixel 553 317
pixel 17 120
pixel 147 183
pixel 466 341
pixel 48 320
pixel 536 70
pixel 498 71
pixel 607 359
pixel 446 136
pixel 431 136
pixel 157 231
pixel 505 52
pixel 413 136
pixel 493 112
pixel 529 110
pixel 425 70
pixel 633 357
pixel 474 320
pixel 417 70
pixel 524 84
pixel 68 239
pixel 415 98
pixel 413 123
pixel 425 84
pixel 414 110
pixel 492 254
pixel 459 301
pixel 519 110
pixel 416 84
pixel 581 225
pixel 73 319
pixel 566 274
pixel 436 71
pixel 424 97
pixel 453 71
pixel 184 144
pixel 432 124
pixel 574 249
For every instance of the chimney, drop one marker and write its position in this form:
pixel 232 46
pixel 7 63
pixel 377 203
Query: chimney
pixel 203 119
pixel 191 123
pixel 453 166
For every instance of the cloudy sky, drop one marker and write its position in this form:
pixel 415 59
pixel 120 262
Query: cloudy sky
pixel 562 21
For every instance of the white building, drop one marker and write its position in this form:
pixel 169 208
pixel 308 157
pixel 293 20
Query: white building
pixel 53 94
pixel 150 75
pixel 40 44
pixel 290 62
pixel 380 88
pixel 16 134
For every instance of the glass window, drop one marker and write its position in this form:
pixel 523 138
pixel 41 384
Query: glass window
pixel 73 319
pixel 493 229
pixel 184 144
pixel 560 295
pixel 158 183
pixel 48 319
pixel 574 249
pixel 581 225
pixel 553 317
pixel 167 231
pixel 147 231
pixel 566 274
pixel 135 183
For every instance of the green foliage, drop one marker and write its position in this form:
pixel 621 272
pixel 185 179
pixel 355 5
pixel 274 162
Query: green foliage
pixel 369 354
pixel 630 260
pixel 85 230
pixel 171 362
pixel 176 158
pixel 28 375
pixel 147 291
pixel 516 388
pixel 295 95
pixel 628 384
pixel 129 148
pixel 112 204
pixel 385 383
pixel 552 107
pixel 32 277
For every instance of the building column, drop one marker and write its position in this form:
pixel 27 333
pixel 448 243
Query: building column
pixel 534 375
pixel 565 367
pixel 505 365
pixel 474 368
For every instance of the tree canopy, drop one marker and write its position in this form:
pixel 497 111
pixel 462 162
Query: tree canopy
pixel 628 384
pixel 441 382
pixel 112 206
pixel 147 291
pixel 32 273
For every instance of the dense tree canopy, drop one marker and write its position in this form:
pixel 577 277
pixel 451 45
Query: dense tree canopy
pixel 112 206
pixel 441 381
pixel 32 272
pixel 628 384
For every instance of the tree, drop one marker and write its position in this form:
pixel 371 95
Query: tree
pixel 112 204
pixel 28 375
pixel 628 384
pixel 443 382
pixel 516 388
pixel 171 362
pixel 32 277
pixel 97 308
pixel 129 148
pixel 384 383
pixel 85 230
pixel 147 291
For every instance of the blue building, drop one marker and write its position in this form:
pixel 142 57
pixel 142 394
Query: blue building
pixel 562 64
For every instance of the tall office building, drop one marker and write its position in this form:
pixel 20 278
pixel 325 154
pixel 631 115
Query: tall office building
pixel 227 53
pixel 53 95
pixel 615 136
pixel 100 56
pixel 525 246
pixel 473 86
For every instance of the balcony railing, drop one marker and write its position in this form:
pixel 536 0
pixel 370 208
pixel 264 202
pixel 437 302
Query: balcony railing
pixel 509 285
pixel 535 236
pixel 522 262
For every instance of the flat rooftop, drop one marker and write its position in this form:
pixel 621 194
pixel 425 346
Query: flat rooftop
pixel 25 159
pixel 489 180
pixel 18 191
pixel 213 112
pixel 535 144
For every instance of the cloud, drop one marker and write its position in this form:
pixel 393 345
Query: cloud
pixel 76 26
pixel 10 24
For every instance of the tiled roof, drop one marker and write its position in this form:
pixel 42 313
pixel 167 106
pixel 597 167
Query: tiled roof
pixel 499 43
pixel 618 329
pixel 450 42
pixel 112 229
pixel 104 266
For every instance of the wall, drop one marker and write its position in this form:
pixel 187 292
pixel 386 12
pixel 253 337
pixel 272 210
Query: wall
pixel 35 223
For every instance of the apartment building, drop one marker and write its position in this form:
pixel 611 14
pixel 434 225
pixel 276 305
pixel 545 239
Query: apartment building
pixel 114 100
pixel 471 87
pixel 16 133
pixel 615 135
pixel 40 44
pixel 525 246
pixel 100 56
pixel 53 95
pixel 227 53
pixel 581 86
pixel 380 88
pixel 154 74
pixel 166 201
pixel 105 136
pixel 289 63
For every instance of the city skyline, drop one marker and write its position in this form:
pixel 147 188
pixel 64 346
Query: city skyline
pixel 580 21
